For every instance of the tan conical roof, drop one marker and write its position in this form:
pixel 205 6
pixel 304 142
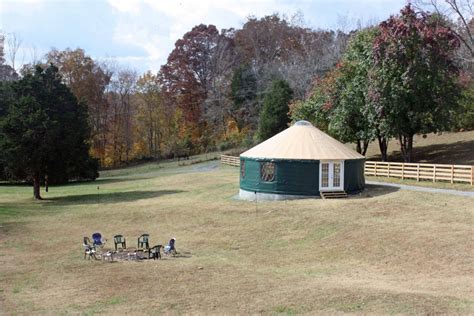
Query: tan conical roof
pixel 302 141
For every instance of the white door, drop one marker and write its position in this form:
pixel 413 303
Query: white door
pixel 331 175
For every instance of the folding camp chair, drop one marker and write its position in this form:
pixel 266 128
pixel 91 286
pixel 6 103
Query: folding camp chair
pixel 97 240
pixel 120 240
pixel 143 241
pixel 155 252
pixel 89 250
pixel 170 248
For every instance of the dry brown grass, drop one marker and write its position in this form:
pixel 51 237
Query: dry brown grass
pixel 383 252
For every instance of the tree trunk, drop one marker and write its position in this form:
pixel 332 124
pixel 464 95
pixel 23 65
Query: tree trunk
pixel 358 147
pixel 151 148
pixel 410 148
pixel 406 147
pixel 383 145
pixel 36 187
pixel 366 146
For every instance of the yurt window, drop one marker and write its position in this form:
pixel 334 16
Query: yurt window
pixel 267 171
pixel 242 168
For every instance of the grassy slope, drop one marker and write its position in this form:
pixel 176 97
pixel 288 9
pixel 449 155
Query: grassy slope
pixel 383 252
pixel 446 148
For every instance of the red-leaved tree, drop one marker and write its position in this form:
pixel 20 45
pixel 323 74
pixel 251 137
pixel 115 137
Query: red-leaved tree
pixel 187 76
pixel 415 75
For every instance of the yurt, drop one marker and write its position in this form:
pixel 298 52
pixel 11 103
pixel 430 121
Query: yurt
pixel 301 161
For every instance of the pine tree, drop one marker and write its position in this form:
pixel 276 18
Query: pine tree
pixel 274 117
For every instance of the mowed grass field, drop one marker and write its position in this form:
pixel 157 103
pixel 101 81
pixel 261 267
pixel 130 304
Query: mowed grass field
pixel 385 251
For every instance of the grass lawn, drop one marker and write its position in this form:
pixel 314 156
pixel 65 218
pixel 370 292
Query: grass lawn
pixel 460 186
pixel 385 251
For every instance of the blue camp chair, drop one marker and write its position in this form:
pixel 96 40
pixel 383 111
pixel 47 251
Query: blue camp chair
pixel 97 240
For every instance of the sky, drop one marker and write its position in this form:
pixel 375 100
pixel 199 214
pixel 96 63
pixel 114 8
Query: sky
pixel 140 34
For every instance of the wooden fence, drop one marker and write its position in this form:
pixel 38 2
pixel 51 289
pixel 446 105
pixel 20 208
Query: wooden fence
pixel 230 160
pixel 421 171
pixel 417 171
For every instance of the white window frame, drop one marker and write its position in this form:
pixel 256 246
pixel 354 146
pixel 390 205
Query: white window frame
pixel 330 175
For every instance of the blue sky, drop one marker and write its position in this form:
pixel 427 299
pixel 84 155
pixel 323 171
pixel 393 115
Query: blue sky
pixel 140 34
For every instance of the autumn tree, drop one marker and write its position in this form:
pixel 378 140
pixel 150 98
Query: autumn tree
pixel 243 87
pixel 265 40
pixel 460 16
pixel 121 117
pixel 318 52
pixel 274 117
pixel 318 106
pixel 202 74
pixel 415 82
pixel 280 48
pixel 150 114
pixel 187 77
pixel 217 107
pixel 88 80
pixel 44 131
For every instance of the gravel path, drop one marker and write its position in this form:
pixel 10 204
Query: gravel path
pixel 423 189
pixel 206 167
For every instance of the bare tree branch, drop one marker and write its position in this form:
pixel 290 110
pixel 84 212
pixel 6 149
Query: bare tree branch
pixel 14 43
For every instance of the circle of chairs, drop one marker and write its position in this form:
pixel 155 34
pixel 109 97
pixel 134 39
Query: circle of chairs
pixel 95 249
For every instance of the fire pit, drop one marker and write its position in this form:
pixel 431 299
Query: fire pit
pixel 124 255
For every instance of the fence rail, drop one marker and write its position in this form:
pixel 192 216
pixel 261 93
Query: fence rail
pixel 230 160
pixel 421 171
pixel 416 171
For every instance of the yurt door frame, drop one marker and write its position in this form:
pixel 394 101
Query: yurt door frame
pixel 331 175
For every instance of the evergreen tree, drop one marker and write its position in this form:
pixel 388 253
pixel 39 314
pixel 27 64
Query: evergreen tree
pixel 274 117
pixel 44 132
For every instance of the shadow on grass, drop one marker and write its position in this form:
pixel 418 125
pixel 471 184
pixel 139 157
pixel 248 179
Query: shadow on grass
pixel 461 152
pixel 103 181
pixel 97 182
pixel 373 190
pixel 113 197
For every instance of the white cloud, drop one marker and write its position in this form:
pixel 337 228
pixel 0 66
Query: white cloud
pixel 128 6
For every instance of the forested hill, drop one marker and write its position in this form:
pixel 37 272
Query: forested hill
pixel 211 92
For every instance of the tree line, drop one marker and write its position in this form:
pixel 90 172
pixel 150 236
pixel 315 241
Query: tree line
pixel 207 96
pixel 220 89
